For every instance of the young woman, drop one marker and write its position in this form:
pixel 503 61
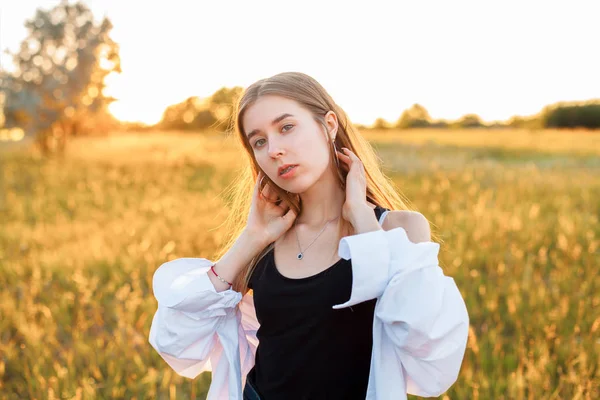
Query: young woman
pixel 280 315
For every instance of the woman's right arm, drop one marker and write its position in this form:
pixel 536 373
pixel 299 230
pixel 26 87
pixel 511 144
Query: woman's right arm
pixel 245 248
pixel 196 310
pixel 192 303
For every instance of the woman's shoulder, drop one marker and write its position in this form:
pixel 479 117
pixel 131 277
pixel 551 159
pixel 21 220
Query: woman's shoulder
pixel 415 224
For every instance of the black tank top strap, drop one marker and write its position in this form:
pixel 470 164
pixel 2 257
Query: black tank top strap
pixel 379 211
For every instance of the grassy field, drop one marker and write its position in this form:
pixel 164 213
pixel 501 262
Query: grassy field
pixel 81 236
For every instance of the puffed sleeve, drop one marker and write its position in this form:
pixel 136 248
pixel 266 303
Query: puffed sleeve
pixel 188 324
pixel 424 316
pixel 248 329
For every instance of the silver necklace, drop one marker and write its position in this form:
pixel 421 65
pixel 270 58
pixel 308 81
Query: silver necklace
pixel 300 255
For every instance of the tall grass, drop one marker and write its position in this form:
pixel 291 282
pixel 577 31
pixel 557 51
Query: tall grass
pixel 80 238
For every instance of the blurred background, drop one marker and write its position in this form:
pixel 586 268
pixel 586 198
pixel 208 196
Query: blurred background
pixel 116 155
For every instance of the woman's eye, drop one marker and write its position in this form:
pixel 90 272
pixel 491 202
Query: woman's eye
pixel 284 128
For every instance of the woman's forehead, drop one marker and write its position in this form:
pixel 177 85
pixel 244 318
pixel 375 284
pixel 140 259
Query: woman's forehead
pixel 267 108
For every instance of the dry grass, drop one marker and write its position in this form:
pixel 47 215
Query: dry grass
pixel 81 237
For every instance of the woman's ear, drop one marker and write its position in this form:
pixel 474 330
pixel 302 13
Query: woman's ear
pixel 331 122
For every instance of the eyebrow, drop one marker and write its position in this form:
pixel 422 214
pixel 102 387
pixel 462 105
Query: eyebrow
pixel 275 121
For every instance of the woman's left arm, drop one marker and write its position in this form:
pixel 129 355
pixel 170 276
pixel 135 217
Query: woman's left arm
pixel 423 313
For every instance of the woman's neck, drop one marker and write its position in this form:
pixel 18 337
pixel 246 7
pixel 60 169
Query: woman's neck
pixel 321 203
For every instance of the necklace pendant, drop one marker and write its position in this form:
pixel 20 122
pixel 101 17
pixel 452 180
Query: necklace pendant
pixel 300 256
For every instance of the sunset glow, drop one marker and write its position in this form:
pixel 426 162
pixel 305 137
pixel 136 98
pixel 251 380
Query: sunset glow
pixel 496 60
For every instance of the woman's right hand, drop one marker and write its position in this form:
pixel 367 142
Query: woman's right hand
pixel 267 219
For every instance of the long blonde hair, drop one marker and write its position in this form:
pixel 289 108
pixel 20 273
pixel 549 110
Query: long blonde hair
pixel 310 94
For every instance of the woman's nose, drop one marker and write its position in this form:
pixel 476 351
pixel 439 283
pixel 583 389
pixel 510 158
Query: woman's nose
pixel 275 149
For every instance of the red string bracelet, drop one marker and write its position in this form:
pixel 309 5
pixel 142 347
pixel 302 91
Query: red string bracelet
pixel 212 268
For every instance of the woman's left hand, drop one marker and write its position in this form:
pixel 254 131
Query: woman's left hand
pixel 356 186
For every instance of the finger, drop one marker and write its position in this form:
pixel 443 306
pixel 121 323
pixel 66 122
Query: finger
pixel 260 181
pixel 344 157
pixel 269 193
pixel 289 216
pixel 350 154
pixel 349 161
pixel 261 192
pixel 353 157
pixel 341 154
pixel 345 163
pixel 284 207
pixel 257 185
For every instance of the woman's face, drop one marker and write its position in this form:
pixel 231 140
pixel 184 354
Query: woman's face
pixel 282 132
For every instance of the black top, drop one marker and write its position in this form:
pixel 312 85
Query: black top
pixel 308 350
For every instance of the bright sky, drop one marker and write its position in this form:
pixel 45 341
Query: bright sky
pixel 376 58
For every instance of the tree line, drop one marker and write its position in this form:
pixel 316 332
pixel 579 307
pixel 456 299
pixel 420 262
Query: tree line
pixel 216 112
pixel 56 89
pixel 570 115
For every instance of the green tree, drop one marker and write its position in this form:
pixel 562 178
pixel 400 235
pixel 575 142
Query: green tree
pixel 57 87
pixel 572 115
pixel 197 114
pixel 380 123
pixel 222 105
pixel 470 121
pixel 191 114
pixel 416 116
pixel 525 122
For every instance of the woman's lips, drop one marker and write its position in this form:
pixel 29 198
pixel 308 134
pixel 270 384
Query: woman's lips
pixel 290 173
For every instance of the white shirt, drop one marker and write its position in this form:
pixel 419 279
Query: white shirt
pixel 420 326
